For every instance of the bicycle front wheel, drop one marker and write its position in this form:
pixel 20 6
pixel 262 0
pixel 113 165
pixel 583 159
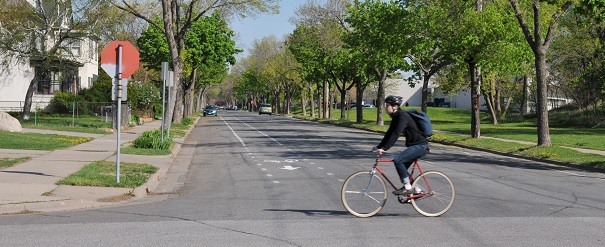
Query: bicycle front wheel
pixel 438 194
pixel 364 194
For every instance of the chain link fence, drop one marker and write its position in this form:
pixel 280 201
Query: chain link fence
pixel 74 114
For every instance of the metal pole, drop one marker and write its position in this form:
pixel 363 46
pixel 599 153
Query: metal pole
pixel 164 76
pixel 73 114
pixel 170 83
pixel 119 105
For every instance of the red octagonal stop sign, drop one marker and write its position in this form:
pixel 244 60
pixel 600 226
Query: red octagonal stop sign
pixel 130 58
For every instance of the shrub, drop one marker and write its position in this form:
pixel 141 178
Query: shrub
pixel 142 97
pixel 187 121
pixel 63 102
pixel 157 111
pixel 153 139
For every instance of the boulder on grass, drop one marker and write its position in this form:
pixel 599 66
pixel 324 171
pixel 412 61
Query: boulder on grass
pixel 9 123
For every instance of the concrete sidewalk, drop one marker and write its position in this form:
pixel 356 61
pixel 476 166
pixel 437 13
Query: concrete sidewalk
pixel 30 186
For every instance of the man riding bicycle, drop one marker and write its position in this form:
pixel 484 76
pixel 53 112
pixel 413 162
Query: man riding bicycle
pixel 416 143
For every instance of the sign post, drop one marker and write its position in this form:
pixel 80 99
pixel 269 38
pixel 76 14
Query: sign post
pixel 120 59
pixel 164 77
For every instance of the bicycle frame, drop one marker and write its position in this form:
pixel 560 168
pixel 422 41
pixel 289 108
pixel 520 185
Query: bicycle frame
pixel 415 165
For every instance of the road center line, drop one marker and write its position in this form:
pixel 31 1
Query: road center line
pixel 278 143
pixel 232 131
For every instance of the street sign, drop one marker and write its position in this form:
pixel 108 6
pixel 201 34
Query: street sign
pixel 120 60
pixel 130 59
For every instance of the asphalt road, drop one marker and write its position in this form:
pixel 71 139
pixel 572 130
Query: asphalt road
pixel 275 181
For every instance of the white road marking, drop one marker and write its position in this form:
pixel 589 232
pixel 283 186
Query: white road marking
pixel 289 168
pixel 269 175
pixel 278 143
pixel 233 131
pixel 330 174
pixel 571 173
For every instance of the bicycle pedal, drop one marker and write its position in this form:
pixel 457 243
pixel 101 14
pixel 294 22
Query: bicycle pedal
pixel 403 199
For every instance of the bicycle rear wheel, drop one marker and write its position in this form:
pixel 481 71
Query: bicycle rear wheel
pixel 364 194
pixel 438 194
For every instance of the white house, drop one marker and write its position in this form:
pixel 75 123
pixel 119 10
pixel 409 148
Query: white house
pixel 461 99
pixel 76 69
pixel 413 95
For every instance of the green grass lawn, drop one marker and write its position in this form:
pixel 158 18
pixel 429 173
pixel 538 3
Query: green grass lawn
pixel 8 162
pixel 103 173
pixel 35 141
pixel 85 124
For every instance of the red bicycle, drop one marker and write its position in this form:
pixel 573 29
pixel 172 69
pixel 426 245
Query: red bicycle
pixel 364 193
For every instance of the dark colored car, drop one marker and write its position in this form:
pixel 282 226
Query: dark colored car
pixel 211 110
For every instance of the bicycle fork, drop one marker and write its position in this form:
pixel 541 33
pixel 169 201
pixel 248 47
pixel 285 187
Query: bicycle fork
pixel 367 188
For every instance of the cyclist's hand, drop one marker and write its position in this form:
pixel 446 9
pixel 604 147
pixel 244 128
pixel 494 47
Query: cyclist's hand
pixel 377 150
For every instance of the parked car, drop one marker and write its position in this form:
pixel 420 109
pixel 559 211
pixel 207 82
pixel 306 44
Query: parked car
pixel 210 110
pixel 369 106
pixel 265 109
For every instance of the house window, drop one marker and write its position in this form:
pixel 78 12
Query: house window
pixel 72 47
pixel 75 48
pixel 57 82
pixel 92 50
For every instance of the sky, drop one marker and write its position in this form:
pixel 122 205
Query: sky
pixel 249 29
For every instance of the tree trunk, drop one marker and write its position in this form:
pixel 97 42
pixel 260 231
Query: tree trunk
pixel 542 104
pixel 475 73
pixel 380 103
pixel 524 97
pixel 27 105
pixel 189 95
pixel 359 97
pixel 343 95
pixel 425 91
pixel 312 94
pixel 175 112
pixel 326 99
pixel 489 99
pixel 304 103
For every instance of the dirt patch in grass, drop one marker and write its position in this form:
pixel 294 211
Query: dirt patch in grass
pixel 119 198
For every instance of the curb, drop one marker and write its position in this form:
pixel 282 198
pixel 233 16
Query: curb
pixel 554 162
pixel 154 180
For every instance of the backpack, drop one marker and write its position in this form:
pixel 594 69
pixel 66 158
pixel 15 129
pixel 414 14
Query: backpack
pixel 422 121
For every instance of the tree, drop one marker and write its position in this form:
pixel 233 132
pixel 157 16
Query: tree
pixel 178 17
pixel 577 61
pixel 326 22
pixel 429 43
pixel 379 45
pixel 539 40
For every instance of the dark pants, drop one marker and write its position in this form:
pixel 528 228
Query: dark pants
pixel 403 160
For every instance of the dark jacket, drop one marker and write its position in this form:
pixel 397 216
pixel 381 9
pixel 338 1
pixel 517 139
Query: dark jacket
pixel 402 122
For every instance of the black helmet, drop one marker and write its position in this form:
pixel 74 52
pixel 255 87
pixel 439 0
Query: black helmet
pixel 393 100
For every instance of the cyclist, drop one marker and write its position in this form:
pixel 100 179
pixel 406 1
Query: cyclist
pixel 416 143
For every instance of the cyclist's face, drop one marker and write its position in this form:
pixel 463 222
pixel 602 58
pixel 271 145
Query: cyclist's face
pixel 391 108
